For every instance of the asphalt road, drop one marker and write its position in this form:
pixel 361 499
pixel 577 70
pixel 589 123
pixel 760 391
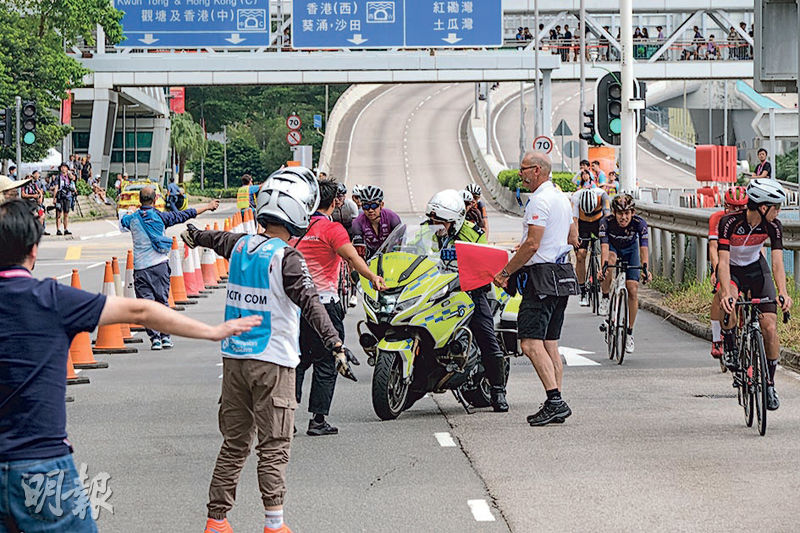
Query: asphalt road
pixel 657 444
pixel 652 167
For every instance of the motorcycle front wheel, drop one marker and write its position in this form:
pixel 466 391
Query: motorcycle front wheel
pixel 389 389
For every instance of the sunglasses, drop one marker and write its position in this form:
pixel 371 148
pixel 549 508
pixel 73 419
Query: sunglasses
pixel 371 206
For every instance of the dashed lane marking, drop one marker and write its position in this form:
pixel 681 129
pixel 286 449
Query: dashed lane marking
pixel 445 440
pixel 480 510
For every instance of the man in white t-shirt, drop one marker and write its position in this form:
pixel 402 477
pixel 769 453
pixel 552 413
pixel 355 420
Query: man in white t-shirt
pixel 547 232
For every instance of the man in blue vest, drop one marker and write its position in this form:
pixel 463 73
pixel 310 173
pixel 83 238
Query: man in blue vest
pixel 151 252
pixel 268 278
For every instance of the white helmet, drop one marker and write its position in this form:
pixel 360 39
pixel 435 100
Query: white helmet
pixel 587 201
pixel 371 193
pixel 474 189
pixel 288 197
pixel 356 190
pixel 765 191
pixel 447 205
pixel 467 196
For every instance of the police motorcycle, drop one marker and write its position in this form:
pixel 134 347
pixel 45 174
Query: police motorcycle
pixel 416 333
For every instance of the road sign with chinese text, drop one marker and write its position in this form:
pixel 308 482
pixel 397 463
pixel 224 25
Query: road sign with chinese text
pixel 396 23
pixel 194 23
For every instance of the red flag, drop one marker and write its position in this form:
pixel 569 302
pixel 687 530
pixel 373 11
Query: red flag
pixel 178 101
pixel 66 109
pixel 478 264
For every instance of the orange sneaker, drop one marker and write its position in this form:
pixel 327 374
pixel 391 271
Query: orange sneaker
pixel 283 529
pixel 218 526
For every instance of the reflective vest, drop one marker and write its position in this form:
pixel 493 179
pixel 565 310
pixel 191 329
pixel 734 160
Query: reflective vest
pixel 243 197
pixel 255 287
pixel 471 232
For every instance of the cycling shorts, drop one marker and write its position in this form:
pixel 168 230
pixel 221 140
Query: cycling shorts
pixel 588 230
pixel 630 255
pixel 756 278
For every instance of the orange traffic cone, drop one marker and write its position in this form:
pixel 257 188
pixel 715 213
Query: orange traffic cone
pixel 198 271
pixel 118 288
pixel 171 302
pixel 208 265
pixel 215 257
pixel 72 377
pixel 80 351
pixel 176 282
pixel 109 336
pixel 129 291
pixel 223 273
pixel 238 225
pixel 249 227
pixel 189 278
pixel 127 336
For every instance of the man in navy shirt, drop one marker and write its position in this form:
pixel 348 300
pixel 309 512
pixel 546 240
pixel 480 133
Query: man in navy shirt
pixel 40 319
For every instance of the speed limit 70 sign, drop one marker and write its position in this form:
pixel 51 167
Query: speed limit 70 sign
pixel 543 144
pixel 293 122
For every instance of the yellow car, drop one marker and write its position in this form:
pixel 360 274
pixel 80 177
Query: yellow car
pixel 128 200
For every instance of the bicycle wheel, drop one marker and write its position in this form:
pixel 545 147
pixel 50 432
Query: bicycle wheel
pixel 611 325
pixel 594 283
pixel 746 383
pixel 622 325
pixel 759 380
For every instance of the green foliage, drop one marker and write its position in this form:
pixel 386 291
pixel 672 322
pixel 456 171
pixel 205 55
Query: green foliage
pixel 83 188
pixel 187 140
pixel 244 157
pixel 511 180
pixel 193 188
pixel 33 64
pixel 786 166
pixel 257 115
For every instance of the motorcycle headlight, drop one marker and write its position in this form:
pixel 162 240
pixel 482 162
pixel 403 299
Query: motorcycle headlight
pixel 408 304
pixel 441 293
pixel 387 302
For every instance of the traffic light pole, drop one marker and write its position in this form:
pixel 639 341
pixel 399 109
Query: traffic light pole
pixel 584 151
pixel 628 115
pixel 18 107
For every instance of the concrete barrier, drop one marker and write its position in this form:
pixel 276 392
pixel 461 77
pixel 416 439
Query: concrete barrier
pixel 669 145
pixel 348 99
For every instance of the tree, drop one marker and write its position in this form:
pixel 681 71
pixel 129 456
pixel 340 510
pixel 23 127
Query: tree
pixel 187 140
pixel 33 64
pixel 243 158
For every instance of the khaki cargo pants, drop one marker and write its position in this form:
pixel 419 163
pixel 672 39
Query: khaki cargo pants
pixel 257 401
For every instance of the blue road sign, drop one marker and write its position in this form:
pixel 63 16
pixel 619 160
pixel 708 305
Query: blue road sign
pixel 317 121
pixel 396 23
pixel 194 23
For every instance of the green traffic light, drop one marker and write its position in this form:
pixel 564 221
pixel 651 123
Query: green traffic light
pixel 29 138
pixel 597 139
pixel 615 126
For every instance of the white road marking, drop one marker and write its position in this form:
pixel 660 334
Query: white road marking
pixel 219 377
pixel 445 440
pixel 101 235
pixel 355 123
pixel 95 265
pixel 480 510
pixel 654 156
pixel 219 364
pixel 574 358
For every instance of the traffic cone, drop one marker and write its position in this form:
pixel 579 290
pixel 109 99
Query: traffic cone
pixel 227 228
pixel 208 265
pixel 129 291
pixel 80 351
pixel 249 227
pixel 216 258
pixel 127 336
pixel 72 377
pixel 171 302
pixel 109 336
pixel 176 282
pixel 198 271
pixel 238 225
pixel 189 277
pixel 221 270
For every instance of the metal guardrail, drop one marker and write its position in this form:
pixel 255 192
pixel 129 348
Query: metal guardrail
pixel 678 233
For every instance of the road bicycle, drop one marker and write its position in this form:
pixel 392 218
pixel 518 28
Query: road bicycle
pixel 752 375
pixel 592 274
pixel 345 286
pixel 615 326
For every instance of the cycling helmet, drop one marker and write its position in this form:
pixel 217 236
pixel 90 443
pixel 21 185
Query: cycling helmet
pixel 736 196
pixel 371 193
pixel 341 189
pixel 474 189
pixel 288 197
pixel 447 205
pixel 622 202
pixel 765 191
pixel 467 196
pixel 356 191
pixel 587 201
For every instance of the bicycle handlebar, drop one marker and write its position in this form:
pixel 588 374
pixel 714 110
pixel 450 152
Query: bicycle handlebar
pixel 758 301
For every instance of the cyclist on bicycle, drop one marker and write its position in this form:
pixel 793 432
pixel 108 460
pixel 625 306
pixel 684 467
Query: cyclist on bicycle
pixel 741 237
pixel 623 234
pixel 735 201
pixel 345 210
pixel 588 207
pixel 476 191
pixel 447 208
pixel 473 213
pixel 372 226
pixel 355 195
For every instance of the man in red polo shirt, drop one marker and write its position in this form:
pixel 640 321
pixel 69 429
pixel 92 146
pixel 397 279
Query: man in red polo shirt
pixel 324 246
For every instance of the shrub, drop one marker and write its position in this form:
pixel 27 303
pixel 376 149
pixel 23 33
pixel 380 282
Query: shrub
pixel 210 192
pixel 83 188
pixel 511 180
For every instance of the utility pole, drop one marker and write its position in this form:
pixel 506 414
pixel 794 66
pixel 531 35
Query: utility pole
pixel 225 156
pixel 537 122
pixel 584 151
pixel 521 121
pixel 18 106
pixel 628 116
pixel 326 107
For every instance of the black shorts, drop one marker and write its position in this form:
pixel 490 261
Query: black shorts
pixel 541 318
pixel 756 278
pixel 63 204
pixel 588 230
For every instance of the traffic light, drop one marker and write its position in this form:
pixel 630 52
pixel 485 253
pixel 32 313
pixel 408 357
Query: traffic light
pixel 590 133
pixel 5 127
pixel 28 133
pixel 609 108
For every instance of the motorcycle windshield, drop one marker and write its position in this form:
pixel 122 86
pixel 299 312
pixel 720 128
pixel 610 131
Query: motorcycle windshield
pixel 421 241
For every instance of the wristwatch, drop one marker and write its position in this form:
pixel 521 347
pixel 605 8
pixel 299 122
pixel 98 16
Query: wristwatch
pixel 505 273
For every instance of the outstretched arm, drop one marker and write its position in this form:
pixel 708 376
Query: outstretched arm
pixel 222 242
